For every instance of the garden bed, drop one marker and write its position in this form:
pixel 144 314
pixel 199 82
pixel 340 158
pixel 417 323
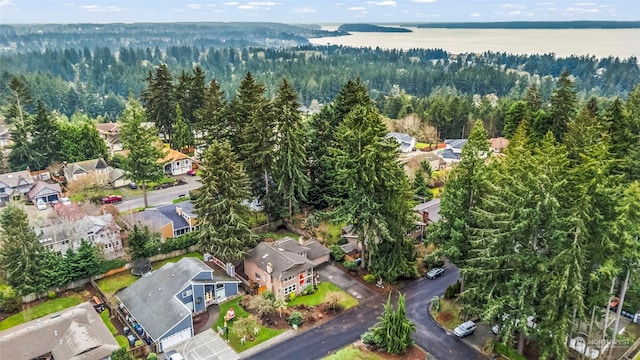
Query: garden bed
pixel 359 351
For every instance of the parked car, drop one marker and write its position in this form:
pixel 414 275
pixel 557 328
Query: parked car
pixel 65 201
pixel 41 204
pixel 133 185
pixel 112 199
pixel 132 340
pixel 191 172
pixel 173 355
pixel 435 272
pixel 465 329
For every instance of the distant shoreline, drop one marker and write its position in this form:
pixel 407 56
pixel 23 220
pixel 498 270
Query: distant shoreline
pixel 547 25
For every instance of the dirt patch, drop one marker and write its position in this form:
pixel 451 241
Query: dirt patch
pixel 444 317
pixel 413 353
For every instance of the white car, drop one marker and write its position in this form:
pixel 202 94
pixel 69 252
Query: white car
pixel 65 201
pixel 41 204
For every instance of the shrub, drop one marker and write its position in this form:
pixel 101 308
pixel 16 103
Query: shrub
pixel 296 319
pixel 333 299
pixel 261 305
pixel 309 290
pixel 368 338
pixel 431 261
pixel 244 327
pixel 194 194
pixel 350 265
pixel 452 290
pixel 342 241
pixel 336 252
pixel 10 301
pixel 269 295
pixel 369 278
pixel 179 243
pixel 292 296
pixel 152 356
pixel 107 265
pixel 51 295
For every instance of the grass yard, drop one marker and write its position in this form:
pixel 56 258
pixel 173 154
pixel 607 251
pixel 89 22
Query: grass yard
pixel 277 235
pixel 158 264
pixel 449 314
pixel 104 315
pixel 111 284
pixel 179 200
pixel 264 333
pixel 122 341
pixel 40 310
pixel 354 353
pixel 329 232
pixel 318 297
pixel 421 145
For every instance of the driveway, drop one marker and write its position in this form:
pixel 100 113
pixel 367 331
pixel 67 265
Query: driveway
pixel 331 273
pixel 205 346
pixel 347 327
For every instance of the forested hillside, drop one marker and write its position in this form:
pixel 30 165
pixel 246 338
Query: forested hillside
pixel 92 70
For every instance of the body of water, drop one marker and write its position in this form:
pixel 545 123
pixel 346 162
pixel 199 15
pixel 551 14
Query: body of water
pixel 622 43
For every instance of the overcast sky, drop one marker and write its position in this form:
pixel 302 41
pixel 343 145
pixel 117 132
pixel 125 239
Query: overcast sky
pixel 314 11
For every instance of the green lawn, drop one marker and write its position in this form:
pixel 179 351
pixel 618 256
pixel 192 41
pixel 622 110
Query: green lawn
pixel 122 341
pixel 111 284
pixel 318 297
pixel 179 200
pixel 107 321
pixel 421 145
pixel 329 232
pixel 449 314
pixel 264 333
pixel 277 235
pixel 158 264
pixel 353 353
pixel 48 307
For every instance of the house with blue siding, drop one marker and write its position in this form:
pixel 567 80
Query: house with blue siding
pixel 164 303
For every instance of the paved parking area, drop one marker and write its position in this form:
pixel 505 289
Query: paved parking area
pixel 206 346
pixel 331 273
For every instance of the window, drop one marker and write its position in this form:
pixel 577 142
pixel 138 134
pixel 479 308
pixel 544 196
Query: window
pixel 288 278
pixel 186 293
pixel 257 276
pixel 219 286
pixel 289 289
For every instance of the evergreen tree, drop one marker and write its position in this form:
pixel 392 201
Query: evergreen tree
pixel 23 154
pixel 461 195
pixel 518 111
pixel 158 99
pixel 532 99
pixel 394 329
pixel 141 164
pixel 212 122
pixel 378 198
pixel 420 186
pixel 563 105
pixel 19 101
pixel 45 136
pixel 290 163
pixel 142 243
pixel 182 136
pixel 20 251
pixel 224 231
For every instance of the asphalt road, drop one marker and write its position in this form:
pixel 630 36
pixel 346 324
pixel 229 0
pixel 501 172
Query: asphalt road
pixel 348 326
pixel 161 196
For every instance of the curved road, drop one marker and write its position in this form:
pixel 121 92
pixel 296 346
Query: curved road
pixel 347 327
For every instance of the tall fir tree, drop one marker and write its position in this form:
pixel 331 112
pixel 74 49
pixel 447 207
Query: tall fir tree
pixel 20 252
pixel 159 101
pixel 45 136
pixel 222 216
pixel 291 159
pixel 19 100
pixel 212 120
pixel 563 105
pixel 182 136
pixel 142 162
pixel 394 330
pixel 378 198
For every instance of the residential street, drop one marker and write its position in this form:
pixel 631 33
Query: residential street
pixel 160 197
pixel 348 326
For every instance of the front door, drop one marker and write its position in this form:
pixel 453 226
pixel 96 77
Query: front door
pixel 220 292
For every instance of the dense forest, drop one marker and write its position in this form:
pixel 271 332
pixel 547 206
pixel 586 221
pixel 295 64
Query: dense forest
pixel 95 78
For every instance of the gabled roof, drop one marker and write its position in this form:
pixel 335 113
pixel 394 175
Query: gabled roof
pixel 76 333
pixel 83 167
pixel 432 207
pixel 498 143
pixel 315 249
pixel 108 128
pixel 115 174
pixel 152 299
pixel 42 188
pixel 285 257
pixel 449 154
pixel 152 218
pixel 171 155
pixel 14 179
pixel 455 143
pixel 79 229
pixel 170 212
pixel 401 137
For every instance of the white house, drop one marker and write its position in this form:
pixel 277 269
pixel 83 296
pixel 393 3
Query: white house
pixel 406 142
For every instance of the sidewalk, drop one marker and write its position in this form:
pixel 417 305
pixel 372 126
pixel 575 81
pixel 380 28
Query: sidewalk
pixel 262 346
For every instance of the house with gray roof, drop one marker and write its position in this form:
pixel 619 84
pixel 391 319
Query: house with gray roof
pixel 100 230
pixel 455 145
pixel 164 302
pixel 15 184
pixel 284 266
pixel 406 142
pixel 428 213
pixel 169 221
pixel 44 190
pixel 76 333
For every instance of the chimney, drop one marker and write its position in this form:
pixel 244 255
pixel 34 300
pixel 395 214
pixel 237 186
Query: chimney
pixel 425 217
pixel 269 268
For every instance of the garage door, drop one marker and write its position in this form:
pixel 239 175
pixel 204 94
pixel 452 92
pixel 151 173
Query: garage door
pixel 175 339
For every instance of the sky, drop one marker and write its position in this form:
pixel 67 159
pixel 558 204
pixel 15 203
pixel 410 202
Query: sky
pixel 313 11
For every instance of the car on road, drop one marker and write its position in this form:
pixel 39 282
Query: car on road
pixel 41 204
pixel 435 272
pixel 465 329
pixel 111 199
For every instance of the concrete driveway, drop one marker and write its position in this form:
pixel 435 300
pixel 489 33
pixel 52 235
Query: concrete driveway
pixel 331 273
pixel 206 346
